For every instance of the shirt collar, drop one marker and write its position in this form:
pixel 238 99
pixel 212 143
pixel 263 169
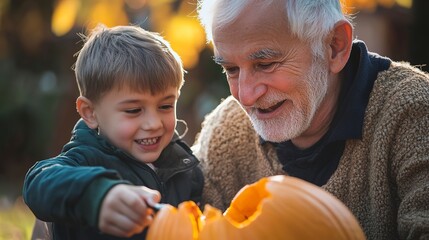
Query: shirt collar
pixel 359 76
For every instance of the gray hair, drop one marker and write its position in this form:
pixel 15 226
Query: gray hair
pixel 309 20
pixel 126 56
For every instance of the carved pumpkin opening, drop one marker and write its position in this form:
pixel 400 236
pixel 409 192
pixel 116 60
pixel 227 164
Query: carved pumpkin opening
pixel 247 204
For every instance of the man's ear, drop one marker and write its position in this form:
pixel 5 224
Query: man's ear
pixel 85 108
pixel 340 45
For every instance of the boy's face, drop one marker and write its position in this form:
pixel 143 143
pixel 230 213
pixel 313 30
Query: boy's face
pixel 139 123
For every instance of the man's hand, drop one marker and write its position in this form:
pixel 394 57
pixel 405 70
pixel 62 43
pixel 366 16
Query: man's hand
pixel 124 211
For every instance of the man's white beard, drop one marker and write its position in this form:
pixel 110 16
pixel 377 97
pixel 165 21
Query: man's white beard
pixel 291 124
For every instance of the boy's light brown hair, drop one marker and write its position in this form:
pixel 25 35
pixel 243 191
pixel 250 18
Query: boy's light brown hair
pixel 126 56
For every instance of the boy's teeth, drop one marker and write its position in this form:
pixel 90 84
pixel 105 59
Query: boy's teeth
pixel 147 141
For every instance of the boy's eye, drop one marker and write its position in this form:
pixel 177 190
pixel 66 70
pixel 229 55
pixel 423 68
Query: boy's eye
pixel 133 111
pixel 166 106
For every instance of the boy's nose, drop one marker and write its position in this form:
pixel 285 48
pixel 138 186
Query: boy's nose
pixel 151 121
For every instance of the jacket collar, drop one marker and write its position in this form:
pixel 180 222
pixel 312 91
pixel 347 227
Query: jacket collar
pixel 176 157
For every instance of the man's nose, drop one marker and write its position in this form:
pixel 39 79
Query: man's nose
pixel 250 88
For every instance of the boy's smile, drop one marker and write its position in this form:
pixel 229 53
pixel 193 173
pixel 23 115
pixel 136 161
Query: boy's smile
pixel 147 141
pixel 148 144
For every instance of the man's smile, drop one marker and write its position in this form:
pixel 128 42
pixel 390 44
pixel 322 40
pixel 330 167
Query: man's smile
pixel 270 109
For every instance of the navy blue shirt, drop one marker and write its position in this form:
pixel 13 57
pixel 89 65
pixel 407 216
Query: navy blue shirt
pixel 317 163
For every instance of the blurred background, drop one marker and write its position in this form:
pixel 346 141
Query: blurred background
pixel 39 39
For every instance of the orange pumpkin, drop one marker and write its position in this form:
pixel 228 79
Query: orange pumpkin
pixel 277 207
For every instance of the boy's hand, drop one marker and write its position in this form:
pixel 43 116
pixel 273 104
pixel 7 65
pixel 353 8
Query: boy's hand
pixel 124 211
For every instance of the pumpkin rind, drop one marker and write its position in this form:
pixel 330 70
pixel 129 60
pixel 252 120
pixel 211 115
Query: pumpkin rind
pixel 277 207
pixel 171 223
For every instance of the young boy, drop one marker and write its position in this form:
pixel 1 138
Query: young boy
pixel 124 145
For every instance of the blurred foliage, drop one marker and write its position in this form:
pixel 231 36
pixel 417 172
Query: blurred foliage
pixel 16 221
pixel 371 5
pixel 174 19
pixel 26 106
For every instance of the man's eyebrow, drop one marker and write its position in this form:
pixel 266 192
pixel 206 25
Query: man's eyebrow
pixel 258 55
pixel 265 54
pixel 218 60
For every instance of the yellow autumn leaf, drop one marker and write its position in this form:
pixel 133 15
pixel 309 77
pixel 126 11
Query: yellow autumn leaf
pixel 64 16
pixel 386 3
pixel 187 38
pixel 405 3
pixel 107 12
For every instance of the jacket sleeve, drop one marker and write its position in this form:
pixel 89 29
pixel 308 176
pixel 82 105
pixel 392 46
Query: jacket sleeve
pixel 61 190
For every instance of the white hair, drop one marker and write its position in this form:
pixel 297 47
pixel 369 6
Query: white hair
pixel 309 20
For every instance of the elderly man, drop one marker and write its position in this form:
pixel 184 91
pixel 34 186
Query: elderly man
pixel 310 102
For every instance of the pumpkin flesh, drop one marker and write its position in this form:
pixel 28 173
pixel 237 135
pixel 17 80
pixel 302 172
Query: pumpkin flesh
pixel 176 223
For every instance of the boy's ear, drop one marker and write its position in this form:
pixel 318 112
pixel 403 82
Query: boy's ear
pixel 340 42
pixel 85 108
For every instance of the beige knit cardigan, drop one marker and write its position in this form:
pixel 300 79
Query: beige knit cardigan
pixel 383 178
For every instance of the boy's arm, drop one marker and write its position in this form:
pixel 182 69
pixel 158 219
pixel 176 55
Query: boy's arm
pixel 59 190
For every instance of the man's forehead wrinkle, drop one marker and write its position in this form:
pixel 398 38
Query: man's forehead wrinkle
pixel 265 54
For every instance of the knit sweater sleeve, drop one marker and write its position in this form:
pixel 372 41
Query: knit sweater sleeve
pixel 410 154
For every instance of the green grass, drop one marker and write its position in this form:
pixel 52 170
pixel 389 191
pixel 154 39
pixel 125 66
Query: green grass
pixel 16 221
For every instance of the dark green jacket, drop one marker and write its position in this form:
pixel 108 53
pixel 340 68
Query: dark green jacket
pixel 68 189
